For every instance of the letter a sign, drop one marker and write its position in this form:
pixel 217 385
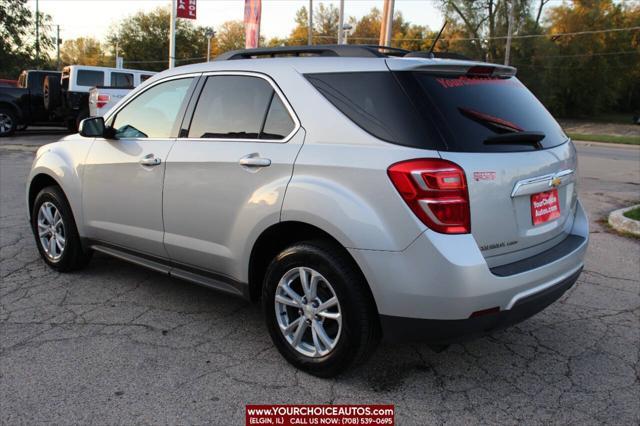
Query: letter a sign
pixel 186 9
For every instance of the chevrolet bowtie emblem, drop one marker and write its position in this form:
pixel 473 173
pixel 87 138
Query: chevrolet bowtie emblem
pixel 555 182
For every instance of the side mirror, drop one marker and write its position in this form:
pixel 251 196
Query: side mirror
pixel 91 127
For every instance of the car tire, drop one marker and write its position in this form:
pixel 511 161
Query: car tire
pixel 8 122
pixel 55 231
pixel 351 328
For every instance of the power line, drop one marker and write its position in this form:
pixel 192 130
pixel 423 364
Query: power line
pixel 500 37
pixel 623 52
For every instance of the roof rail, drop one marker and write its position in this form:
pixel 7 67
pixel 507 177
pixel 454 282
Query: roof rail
pixel 340 50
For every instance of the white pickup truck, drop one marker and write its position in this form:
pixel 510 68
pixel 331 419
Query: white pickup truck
pixel 103 98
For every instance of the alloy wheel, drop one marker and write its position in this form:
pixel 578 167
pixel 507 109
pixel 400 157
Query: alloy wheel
pixel 51 232
pixel 308 312
pixel 6 123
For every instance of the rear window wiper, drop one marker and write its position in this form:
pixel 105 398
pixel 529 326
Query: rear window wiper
pixel 496 124
pixel 527 138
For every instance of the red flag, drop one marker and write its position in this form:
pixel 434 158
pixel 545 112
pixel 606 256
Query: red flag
pixel 252 11
pixel 186 9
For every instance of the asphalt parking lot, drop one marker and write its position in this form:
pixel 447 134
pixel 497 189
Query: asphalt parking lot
pixel 118 344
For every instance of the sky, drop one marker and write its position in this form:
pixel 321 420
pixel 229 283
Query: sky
pixel 94 17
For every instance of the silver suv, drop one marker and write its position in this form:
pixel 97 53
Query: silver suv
pixel 358 193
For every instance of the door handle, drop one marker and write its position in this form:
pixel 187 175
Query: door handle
pixel 253 160
pixel 150 160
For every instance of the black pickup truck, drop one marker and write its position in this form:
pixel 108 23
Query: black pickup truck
pixel 24 105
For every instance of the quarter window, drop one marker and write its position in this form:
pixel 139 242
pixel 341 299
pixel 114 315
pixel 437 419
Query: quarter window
pixel 239 107
pixel 153 114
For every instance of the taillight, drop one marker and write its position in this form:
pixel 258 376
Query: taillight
pixel 436 191
pixel 102 100
pixel 480 70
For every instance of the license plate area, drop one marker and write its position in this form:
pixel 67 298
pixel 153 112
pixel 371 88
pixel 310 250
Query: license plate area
pixel 545 207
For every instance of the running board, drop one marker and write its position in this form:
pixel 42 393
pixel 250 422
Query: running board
pixel 176 270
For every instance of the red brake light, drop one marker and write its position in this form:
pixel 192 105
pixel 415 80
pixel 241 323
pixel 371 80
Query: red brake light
pixel 479 70
pixel 102 100
pixel 436 191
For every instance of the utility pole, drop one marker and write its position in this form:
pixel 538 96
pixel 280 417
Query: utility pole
pixel 37 36
pixel 389 26
pixel 341 23
pixel 58 47
pixel 507 52
pixel 172 36
pixel 310 37
pixel 346 30
pixel 386 29
pixel 210 34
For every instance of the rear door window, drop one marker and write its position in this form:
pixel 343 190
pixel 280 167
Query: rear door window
pixel 469 110
pixel 278 124
pixel 90 78
pixel 236 107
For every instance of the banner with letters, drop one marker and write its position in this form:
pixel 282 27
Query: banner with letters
pixel 252 12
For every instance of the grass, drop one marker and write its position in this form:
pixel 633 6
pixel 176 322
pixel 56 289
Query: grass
pixel 619 118
pixel 633 213
pixel 628 140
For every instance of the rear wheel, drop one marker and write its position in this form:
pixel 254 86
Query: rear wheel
pixel 8 122
pixel 55 231
pixel 318 310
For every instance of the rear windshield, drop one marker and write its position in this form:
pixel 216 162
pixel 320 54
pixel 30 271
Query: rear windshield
pixel 454 113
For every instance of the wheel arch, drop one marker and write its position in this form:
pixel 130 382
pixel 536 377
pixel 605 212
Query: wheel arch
pixel 37 184
pixel 56 166
pixel 12 107
pixel 279 236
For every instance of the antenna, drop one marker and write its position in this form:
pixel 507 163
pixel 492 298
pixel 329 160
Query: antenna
pixel 433 45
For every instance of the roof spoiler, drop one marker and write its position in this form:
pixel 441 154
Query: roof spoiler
pixel 476 69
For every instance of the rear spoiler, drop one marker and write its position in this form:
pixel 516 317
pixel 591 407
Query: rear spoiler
pixel 472 68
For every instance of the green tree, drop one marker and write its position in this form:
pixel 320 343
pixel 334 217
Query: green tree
pixel 588 74
pixel 17 38
pixel 143 40
pixel 482 20
pixel 84 51
pixel 230 36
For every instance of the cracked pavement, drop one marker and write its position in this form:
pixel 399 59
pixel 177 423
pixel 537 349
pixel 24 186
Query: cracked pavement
pixel 118 344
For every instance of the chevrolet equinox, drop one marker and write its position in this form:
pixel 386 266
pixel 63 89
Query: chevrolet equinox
pixel 358 192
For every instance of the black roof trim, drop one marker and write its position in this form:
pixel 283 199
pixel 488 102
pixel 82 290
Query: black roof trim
pixel 335 50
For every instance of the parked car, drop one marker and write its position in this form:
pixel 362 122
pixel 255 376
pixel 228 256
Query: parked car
pixel 355 193
pixel 103 98
pixel 67 98
pixel 21 105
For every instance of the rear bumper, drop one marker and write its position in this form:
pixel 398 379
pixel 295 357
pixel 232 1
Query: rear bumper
pixel 400 329
pixel 446 278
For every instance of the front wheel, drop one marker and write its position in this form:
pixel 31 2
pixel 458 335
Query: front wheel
pixel 8 122
pixel 55 231
pixel 318 310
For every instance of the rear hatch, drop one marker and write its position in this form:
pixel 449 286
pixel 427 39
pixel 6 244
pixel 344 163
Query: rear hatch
pixel 519 166
pixel 518 163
